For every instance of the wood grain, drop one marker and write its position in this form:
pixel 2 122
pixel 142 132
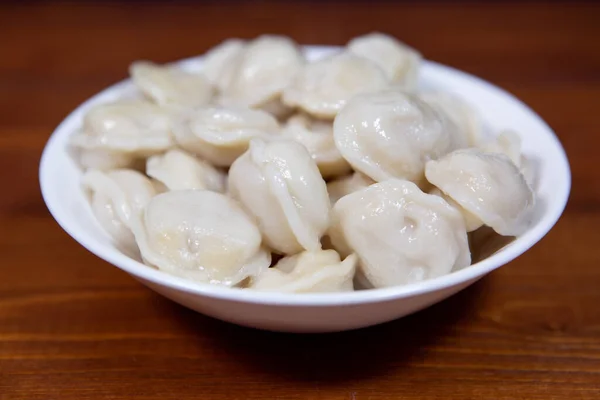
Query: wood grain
pixel 73 327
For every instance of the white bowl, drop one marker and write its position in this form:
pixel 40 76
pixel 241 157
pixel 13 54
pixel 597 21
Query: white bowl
pixel 327 312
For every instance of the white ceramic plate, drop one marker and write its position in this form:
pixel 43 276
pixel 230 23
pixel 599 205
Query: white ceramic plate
pixel 60 183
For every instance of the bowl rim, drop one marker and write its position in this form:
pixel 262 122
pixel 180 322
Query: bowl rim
pixel 468 274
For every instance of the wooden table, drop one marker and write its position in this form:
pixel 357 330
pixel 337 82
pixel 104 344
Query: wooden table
pixel 73 327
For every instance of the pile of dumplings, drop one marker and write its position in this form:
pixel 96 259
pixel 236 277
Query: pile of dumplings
pixel 268 171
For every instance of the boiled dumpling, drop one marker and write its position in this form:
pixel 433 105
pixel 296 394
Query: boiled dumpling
pixel 201 235
pixel 117 197
pixel 130 125
pixel 400 234
pixel 391 134
pixel 472 223
pixel 264 68
pixel 104 159
pixel 400 62
pixel 280 185
pixel 317 137
pixel 346 185
pixel 219 62
pixel 323 87
pixel 178 170
pixel 508 143
pixel 168 86
pixel 460 113
pixel 115 135
pixel 220 135
pixel 487 185
pixel 309 272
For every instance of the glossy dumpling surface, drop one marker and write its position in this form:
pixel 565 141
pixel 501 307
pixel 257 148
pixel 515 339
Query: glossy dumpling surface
pixel 317 137
pixel 221 134
pixel 400 62
pixel 279 183
pixel 309 272
pixel 178 170
pixel 201 235
pixel 324 86
pixel 400 234
pixel 391 134
pixel 116 197
pixel 168 86
pixel 487 185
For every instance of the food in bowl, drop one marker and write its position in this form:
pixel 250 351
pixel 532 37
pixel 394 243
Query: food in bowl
pixel 266 171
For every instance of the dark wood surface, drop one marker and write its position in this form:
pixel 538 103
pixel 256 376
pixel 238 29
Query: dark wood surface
pixel 73 327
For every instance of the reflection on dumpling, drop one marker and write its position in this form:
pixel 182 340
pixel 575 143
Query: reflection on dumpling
pixel 116 134
pixel 201 235
pixel 178 170
pixel 346 185
pixel 117 197
pixel 400 234
pixel 487 185
pixel 171 87
pixel 460 113
pixel 265 67
pixel 220 135
pixel 279 183
pixel 317 137
pixel 323 87
pixel 309 272
pixel 391 134
pixel 219 62
pixel 399 61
